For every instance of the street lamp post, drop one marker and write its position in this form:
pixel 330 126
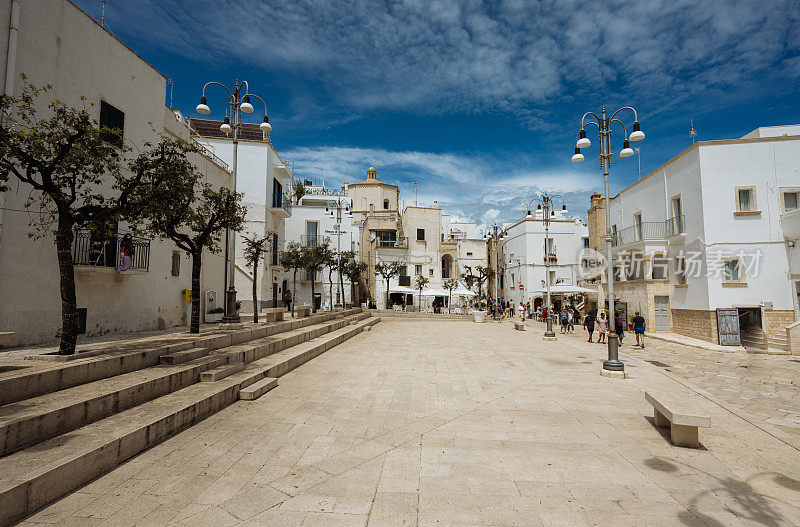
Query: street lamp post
pixel 238 102
pixel 494 232
pixel 545 204
pixel 603 124
pixel 338 204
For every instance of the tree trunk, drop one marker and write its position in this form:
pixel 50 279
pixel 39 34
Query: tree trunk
pixel 450 302
pixel 330 281
pixel 294 293
pixel 313 291
pixel 255 291
pixel 419 301
pixel 66 271
pixel 387 293
pixel 197 264
pixel 341 286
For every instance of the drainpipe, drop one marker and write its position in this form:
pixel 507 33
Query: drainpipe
pixel 11 62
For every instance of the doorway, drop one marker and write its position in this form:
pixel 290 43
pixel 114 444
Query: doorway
pixel 661 308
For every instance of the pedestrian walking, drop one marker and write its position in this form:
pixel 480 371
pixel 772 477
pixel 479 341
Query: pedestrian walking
pixel 602 328
pixel 521 310
pixel 570 321
pixel 564 318
pixel 619 328
pixel 588 324
pixel 638 329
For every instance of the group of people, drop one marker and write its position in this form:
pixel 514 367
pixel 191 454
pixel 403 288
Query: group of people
pixel 509 310
pixel 619 327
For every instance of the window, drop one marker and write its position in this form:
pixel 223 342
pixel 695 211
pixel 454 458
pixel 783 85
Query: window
pixel 550 247
pixel 386 238
pixel 310 276
pixel 312 229
pixel 637 223
pixel 417 269
pixel 733 270
pixel 386 204
pixel 680 270
pixel 176 263
pixel 274 250
pixel 675 224
pixel 586 243
pixel 404 270
pixel 790 199
pixel 659 267
pixel 746 199
pixel 469 253
pixel 430 271
pixel 421 235
pixel 112 123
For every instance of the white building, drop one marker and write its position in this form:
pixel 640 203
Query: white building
pixel 715 228
pixel 265 179
pixel 523 256
pixel 59 44
pixel 315 219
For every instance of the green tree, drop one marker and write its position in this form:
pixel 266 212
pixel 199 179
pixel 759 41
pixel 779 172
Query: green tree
pixel 75 170
pixel 388 270
pixel 254 247
pixel 298 190
pixel 313 261
pixel 450 285
pixel 292 259
pixel 175 203
pixel 419 284
pixel 353 268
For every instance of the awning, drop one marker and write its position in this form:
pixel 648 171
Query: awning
pixel 461 290
pixel 434 292
pixel 402 289
pixel 560 289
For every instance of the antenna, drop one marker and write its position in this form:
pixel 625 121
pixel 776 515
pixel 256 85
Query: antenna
pixel 639 157
pixel 692 131
pixel 103 13
pixel 415 192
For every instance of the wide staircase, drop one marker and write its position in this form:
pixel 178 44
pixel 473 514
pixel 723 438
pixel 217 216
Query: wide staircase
pixel 64 425
pixel 754 340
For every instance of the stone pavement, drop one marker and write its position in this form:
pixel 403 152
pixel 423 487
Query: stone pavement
pixel 430 423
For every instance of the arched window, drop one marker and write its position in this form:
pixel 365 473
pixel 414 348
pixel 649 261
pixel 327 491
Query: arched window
pixel 447 263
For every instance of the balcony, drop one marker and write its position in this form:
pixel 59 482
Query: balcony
pixel 311 240
pixel 675 226
pixel 550 255
pixel 281 205
pixel 95 253
pixel 647 230
pixel 399 243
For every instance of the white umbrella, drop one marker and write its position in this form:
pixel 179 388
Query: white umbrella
pixel 402 289
pixel 565 289
pixel 461 290
pixel 434 292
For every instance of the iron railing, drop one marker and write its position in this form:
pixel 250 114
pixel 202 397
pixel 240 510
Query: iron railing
pixel 208 152
pixel 310 240
pixel 675 225
pixel 647 230
pixel 96 251
pixel 401 242
pixel 282 201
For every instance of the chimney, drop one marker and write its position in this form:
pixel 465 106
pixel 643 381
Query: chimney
pixel 435 204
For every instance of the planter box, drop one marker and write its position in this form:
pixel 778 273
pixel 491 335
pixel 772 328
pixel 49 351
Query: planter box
pixel 478 317
pixel 212 318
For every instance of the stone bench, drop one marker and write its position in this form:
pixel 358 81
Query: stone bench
pixel 273 314
pixel 677 412
pixel 519 326
pixel 302 311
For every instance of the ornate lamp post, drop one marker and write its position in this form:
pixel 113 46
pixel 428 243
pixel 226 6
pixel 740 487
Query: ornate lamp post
pixel 238 102
pixel 603 124
pixel 545 204
pixel 494 232
pixel 338 204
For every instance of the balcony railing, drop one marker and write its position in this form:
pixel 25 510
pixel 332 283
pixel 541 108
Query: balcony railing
pixel 550 254
pixel 281 201
pixel 99 252
pixel 675 225
pixel 208 152
pixel 311 240
pixel 647 230
pixel 401 242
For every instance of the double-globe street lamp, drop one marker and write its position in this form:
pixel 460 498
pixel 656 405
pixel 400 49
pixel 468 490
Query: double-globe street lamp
pixel 495 232
pixel 603 123
pixel 238 102
pixel 545 204
pixel 338 204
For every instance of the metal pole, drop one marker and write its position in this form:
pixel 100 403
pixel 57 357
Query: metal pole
pixel 231 315
pixel 613 363
pixel 339 249
pixel 549 333
pixel 496 315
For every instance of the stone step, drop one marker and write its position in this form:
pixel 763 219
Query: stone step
pixel 219 373
pixel 179 357
pixel 31 421
pixel 47 376
pixel 38 475
pixel 257 389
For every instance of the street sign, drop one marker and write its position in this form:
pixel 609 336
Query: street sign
pixel 521 287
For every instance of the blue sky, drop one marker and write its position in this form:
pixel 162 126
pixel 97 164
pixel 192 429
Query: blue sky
pixel 478 101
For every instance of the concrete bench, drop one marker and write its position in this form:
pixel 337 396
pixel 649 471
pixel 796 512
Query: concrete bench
pixel 273 314
pixel 677 412
pixel 519 326
pixel 302 311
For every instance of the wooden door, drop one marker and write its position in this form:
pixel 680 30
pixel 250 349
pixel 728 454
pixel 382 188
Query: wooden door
pixel 661 305
pixel 728 327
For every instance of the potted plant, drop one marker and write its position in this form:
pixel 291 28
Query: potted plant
pixel 215 315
